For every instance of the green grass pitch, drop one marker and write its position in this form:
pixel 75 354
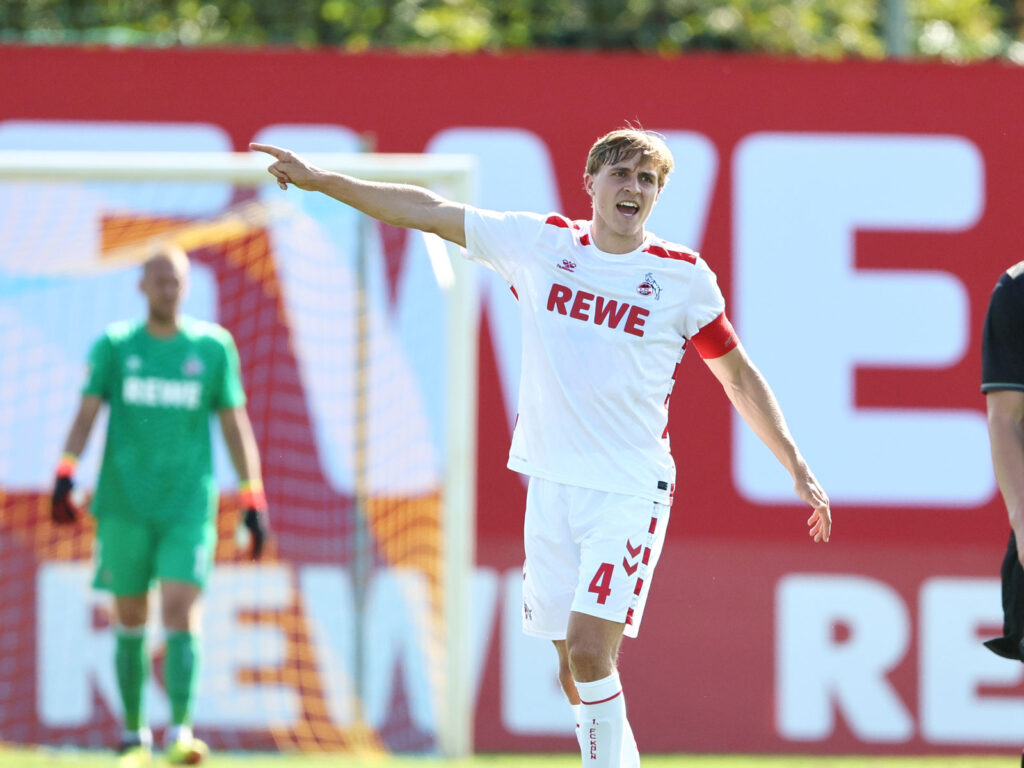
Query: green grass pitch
pixel 11 757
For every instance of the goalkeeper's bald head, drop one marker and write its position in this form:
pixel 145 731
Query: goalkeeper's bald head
pixel 165 283
pixel 170 254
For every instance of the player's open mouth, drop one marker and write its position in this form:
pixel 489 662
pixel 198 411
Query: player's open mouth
pixel 627 208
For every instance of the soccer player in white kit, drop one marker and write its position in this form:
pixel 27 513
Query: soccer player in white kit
pixel 607 311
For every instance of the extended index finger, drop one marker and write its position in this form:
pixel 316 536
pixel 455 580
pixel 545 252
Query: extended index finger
pixel 270 149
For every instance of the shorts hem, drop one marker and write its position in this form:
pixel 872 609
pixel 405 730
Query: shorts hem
pixel 606 617
pixel 120 592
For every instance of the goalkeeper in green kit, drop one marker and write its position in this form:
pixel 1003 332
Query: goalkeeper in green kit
pixel 156 499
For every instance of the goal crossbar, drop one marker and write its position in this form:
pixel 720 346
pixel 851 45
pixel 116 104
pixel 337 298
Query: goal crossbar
pixel 238 167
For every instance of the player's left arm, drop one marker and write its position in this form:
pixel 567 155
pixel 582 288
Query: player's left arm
pixel 63 509
pixel 245 456
pixel 1006 439
pixel 754 400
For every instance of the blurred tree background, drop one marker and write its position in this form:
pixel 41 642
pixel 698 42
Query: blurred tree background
pixel 953 30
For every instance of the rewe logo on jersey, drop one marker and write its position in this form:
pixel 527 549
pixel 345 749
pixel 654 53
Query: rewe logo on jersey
pixel 167 393
pixel 605 311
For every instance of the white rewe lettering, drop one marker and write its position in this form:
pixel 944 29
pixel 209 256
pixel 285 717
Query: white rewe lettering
pixel 166 393
pixel 956 669
pixel 800 199
pixel 966 695
pixel 819 674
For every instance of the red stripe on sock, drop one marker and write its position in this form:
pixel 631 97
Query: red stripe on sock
pixel 602 701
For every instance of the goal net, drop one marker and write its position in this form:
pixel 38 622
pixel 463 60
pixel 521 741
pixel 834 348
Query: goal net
pixel 358 346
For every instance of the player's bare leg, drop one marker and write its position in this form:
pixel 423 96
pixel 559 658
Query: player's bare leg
pixel 592 646
pixel 569 686
pixel 181 617
pixel 131 664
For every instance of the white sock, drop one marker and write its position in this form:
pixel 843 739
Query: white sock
pixel 176 733
pixel 630 754
pixel 143 736
pixel 579 730
pixel 603 722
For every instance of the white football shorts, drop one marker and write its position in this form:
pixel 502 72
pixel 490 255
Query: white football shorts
pixel 587 551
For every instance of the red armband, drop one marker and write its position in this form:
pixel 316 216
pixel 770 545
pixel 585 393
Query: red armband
pixel 716 338
pixel 66 465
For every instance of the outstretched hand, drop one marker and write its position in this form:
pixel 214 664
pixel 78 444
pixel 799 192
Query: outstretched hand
pixel 820 522
pixel 288 167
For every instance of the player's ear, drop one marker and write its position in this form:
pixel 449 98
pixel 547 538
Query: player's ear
pixel 588 183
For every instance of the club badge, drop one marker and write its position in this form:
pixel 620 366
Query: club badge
pixel 649 287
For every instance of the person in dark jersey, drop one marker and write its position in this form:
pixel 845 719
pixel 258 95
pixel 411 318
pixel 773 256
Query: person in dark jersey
pixel 1002 381
pixel 162 378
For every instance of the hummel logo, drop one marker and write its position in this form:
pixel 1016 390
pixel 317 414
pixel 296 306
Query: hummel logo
pixel 568 266
pixel 634 552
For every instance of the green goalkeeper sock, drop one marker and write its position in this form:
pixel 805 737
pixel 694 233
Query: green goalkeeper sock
pixel 131 663
pixel 181 672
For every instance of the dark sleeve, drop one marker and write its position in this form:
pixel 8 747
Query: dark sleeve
pixel 1002 339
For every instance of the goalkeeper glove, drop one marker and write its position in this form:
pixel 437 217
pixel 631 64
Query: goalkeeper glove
pixel 255 526
pixel 63 509
pixel 256 522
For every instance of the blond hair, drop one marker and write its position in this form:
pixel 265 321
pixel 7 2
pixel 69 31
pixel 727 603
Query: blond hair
pixel 624 144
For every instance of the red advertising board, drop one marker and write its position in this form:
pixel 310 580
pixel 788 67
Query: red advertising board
pixel 857 216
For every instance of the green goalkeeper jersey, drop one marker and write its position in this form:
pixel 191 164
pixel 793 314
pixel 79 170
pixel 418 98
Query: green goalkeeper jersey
pixel 161 392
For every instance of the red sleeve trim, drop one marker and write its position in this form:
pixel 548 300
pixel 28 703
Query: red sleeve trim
pixel 664 253
pixel 561 221
pixel 716 338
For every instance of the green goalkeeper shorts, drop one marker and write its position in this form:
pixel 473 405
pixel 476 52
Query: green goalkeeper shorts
pixel 132 553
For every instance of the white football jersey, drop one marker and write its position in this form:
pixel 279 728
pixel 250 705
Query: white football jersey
pixel 602 336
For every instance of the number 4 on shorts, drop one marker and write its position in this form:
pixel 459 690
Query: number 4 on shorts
pixel 601 584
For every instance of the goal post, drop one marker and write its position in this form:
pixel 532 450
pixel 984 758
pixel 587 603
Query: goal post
pixel 421 538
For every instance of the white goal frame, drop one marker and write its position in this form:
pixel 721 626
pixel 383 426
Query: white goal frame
pixel 457 174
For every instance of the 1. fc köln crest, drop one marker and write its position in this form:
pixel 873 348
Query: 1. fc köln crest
pixel 649 286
